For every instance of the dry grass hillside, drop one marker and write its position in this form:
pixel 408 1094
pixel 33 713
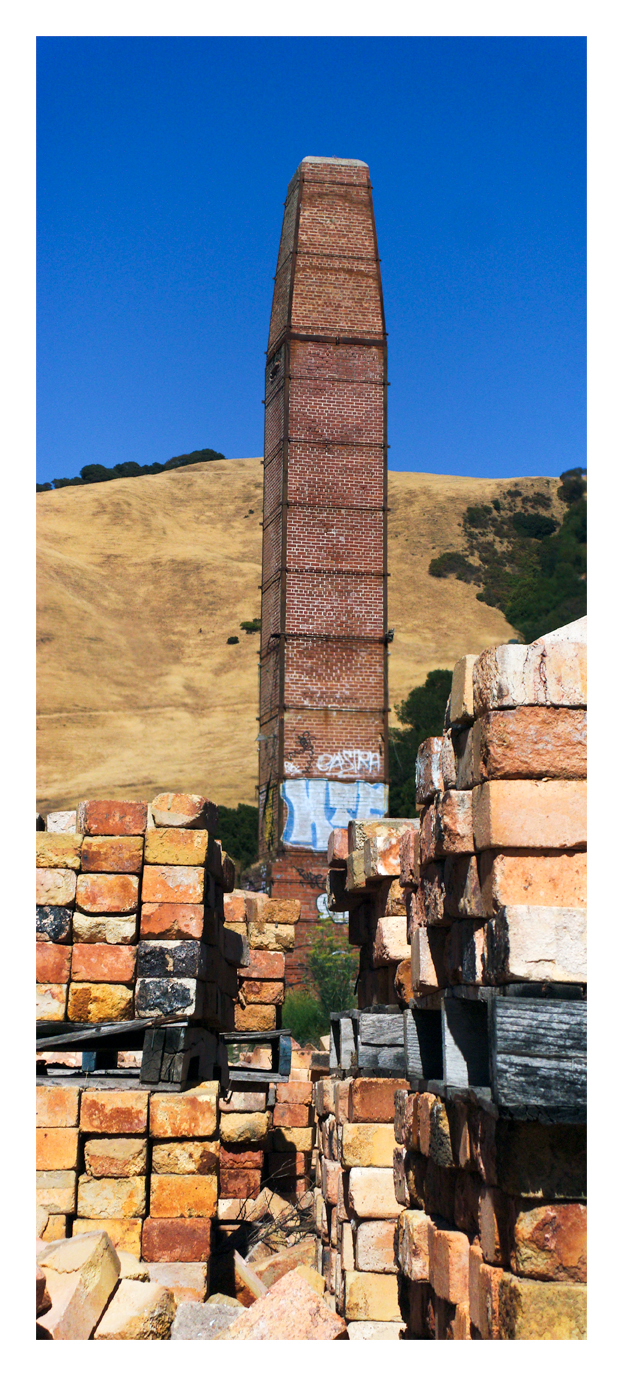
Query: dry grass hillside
pixel 141 581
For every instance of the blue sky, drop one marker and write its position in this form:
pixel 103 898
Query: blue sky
pixel 163 165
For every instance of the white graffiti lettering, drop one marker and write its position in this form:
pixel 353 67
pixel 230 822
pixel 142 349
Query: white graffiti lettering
pixel 349 762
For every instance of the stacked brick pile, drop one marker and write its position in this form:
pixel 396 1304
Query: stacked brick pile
pixel 143 1165
pixel 160 1170
pixel 492 1241
pixel 268 924
pixel 502 892
pixel 356 1209
pixel 130 919
pixel 369 865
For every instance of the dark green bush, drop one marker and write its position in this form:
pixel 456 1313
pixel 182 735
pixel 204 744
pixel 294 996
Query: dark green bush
pixel 454 564
pixel 332 966
pixel 532 524
pixel 497 506
pixel 238 830
pixel 233 640
pixel 251 626
pixel 421 714
pixel 98 473
pixel 478 516
pixel 304 1017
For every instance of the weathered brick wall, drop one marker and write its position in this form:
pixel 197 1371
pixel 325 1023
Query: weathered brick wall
pixel 323 670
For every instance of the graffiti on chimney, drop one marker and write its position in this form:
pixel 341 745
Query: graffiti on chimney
pixel 316 806
pixel 324 913
pixel 350 762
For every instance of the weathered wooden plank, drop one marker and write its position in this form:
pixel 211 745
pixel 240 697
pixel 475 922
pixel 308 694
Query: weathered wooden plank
pixel 544 1028
pixel 535 1081
pixel 381 1058
pixel 465 1042
pixel 423 1045
pixel 381 1029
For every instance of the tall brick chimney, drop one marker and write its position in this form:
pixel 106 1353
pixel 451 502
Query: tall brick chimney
pixel 323 663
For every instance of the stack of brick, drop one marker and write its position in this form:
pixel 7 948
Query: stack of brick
pixel 143 1165
pixel 96 960
pixel 356 1210
pixel 269 926
pixel 492 1241
pixel 364 878
pixel 502 891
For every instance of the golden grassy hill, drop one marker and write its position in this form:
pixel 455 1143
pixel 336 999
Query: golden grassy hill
pixel 141 581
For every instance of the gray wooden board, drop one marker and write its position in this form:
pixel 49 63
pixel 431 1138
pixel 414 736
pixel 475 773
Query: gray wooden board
pixel 538 1052
pixel 381 1058
pixel 348 1049
pixel 465 1043
pixel 423 1048
pixel 383 1029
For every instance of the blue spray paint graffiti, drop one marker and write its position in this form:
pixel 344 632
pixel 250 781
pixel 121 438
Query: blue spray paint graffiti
pixel 316 806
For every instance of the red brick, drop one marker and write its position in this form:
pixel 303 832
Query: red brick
pixel 233 1157
pixel 112 854
pixel 240 1184
pixel 176 1239
pixel 265 965
pixel 172 921
pixel 114 818
pixel 53 963
pixel 337 850
pixel 295 1093
pixel 292 1116
pixel 172 884
pixel 114 1112
pixel 107 893
pixel 102 963
pixel 372 1101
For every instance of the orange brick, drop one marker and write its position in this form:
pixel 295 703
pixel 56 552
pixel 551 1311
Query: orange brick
pixel 124 1233
pixel 98 962
pixel 547 879
pixel 183 1196
pixel 172 921
pixel 57 1149
pixel 112 854
pixel 114 1112
pixel 57 1107
pixel 234 908
pixel 448 1253
pixel 372 1101
pixel 175 846
pixel 172 884
pixel 193 1114
pixel 114 818
pixel 107 893
pixel 87 1002
pixel 262 991
pixel 235 1158
pixel 528 813
pixel 258 1017
pixel 53 963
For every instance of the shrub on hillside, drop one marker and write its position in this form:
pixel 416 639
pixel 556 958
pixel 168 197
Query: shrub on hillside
pixel 237 830
pixel 421 714
pixel 454 564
